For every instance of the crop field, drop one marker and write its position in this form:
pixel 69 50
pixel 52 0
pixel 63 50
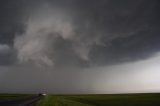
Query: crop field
pixel 101 100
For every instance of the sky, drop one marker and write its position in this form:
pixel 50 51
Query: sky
pixel 79 46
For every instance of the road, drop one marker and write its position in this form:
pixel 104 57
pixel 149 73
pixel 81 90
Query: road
pixel 25 101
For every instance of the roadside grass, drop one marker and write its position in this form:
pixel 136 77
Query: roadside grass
pixel 59 101
pixel 101 100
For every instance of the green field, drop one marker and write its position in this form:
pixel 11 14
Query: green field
pixel 92 100
pixel 101 100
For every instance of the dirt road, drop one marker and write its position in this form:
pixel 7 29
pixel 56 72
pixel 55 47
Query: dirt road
pixel 25 101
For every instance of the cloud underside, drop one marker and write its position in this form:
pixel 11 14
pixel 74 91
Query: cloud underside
pixel 53 33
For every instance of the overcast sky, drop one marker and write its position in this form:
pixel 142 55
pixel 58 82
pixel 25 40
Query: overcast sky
pixel 80 46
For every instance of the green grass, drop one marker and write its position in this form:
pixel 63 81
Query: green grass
pixel 59 101
pixel 93 100
pixel 101 100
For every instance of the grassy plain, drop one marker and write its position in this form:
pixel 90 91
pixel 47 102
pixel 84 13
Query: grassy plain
pixel 101 100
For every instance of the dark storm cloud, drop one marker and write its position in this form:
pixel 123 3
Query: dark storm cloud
pixel 140 28
pixel 9 13
pixel 6 55
pixel 99 32
pixel 130 29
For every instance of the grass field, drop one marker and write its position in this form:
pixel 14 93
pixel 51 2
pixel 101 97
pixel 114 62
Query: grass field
pixel 101 100
pixel 93 100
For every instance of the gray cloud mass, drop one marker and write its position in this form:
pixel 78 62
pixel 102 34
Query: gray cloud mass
pixel 83 30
